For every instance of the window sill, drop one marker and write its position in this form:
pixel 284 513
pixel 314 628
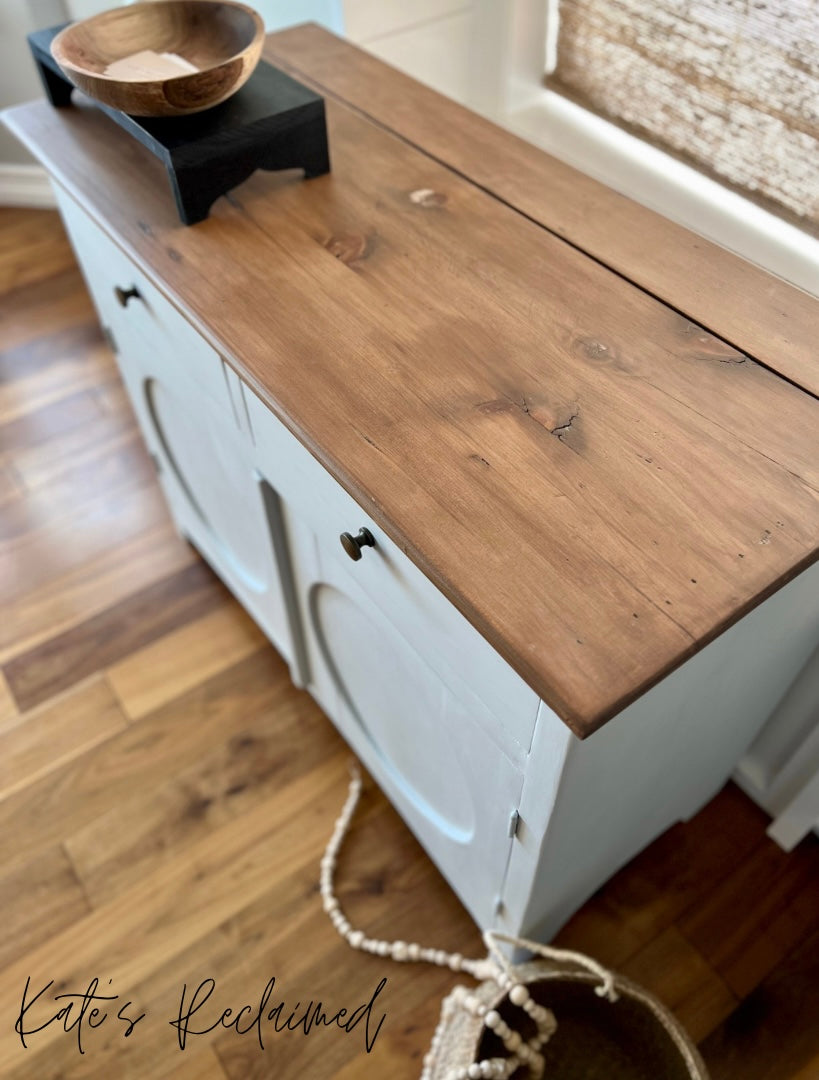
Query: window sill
pixel 661 182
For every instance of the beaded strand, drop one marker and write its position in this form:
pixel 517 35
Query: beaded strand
pixel 401 951
pixel 495 967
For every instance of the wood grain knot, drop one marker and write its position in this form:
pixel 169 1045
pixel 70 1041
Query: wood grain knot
pixel 429 199
pixel 600 352
pixel 347 246
pixel 593 349
pixel 707 347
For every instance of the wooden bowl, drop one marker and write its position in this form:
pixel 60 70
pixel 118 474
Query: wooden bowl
pixel 219 41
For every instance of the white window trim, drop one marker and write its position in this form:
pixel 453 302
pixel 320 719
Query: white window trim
pixel 513 44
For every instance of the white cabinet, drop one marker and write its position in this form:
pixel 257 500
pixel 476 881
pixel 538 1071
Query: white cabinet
pixel 523 819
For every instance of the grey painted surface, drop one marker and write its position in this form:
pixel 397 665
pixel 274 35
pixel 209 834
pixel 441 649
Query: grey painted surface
pixel 18 77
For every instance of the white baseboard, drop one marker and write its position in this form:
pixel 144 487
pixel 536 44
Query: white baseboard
pixel 25 185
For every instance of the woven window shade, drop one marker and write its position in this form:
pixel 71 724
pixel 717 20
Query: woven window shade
pixel 731 86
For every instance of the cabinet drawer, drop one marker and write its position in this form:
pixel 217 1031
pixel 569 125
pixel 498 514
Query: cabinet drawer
pixel 415 607
pixel 106 269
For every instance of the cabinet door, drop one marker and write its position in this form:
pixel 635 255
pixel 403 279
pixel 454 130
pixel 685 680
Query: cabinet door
pixel 180 393
pixel 418 734
pixel 217 498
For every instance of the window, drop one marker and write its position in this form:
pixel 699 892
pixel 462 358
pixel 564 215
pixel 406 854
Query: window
pixel 617 103
pixel 731 86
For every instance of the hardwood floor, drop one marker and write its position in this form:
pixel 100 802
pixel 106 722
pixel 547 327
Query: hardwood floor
pixel 166 793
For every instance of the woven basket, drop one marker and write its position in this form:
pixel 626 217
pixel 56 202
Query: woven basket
pixel 633 1038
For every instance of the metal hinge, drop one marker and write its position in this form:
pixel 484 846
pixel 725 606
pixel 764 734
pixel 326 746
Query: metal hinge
pixel 514 821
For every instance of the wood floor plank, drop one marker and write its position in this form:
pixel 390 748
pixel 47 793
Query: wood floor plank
pixel 36 744
pixel 386 889
pixel 45 462
pixel 670 967
pixel 9 486
pixel 774 1034
pixel 114 633
pixel 145 755
pixel 675 874
pixel 327 970
pixel 58 302
pixel 74 346
pixel 152 1050
pixel 56 548
pixel 206 1066
pixel 203 1065
pixel 157 673
pixel 33 248
pixel 173 907
pixel 78 451
pixel 94 586
pixel 49 421
pixel 273 735
pixel 40 372
pixel 118 467
pixel 235 953
pixel 75 538
pixel 743 941
pixel 8 706
pixel 38 899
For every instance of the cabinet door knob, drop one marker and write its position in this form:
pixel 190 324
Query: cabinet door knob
pixel 353 544
pixel 124 295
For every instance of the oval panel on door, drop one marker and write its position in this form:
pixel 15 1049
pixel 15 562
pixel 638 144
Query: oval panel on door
pixel 218 483
pixel 399 704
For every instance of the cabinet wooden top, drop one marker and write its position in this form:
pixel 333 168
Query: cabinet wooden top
pixel 595 431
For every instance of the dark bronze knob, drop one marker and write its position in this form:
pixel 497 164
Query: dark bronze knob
pixel 124 295
pixel 353 544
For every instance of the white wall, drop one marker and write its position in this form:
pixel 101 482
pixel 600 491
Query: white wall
pixel 276 13
pixel 429 39
pixel 18 76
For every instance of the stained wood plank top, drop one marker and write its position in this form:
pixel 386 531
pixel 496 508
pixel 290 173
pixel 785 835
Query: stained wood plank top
pixel 598 481
pixel 766 316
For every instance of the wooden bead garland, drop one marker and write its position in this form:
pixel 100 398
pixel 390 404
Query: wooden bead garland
pixel 523 1054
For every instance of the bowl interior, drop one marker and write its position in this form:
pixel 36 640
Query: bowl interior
pixel 203 32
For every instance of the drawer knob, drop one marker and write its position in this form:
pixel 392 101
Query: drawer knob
pixel 353 544
pixel 124 295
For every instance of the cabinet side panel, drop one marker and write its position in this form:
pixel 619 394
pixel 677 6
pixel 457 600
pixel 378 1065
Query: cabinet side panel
pixel 656 763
